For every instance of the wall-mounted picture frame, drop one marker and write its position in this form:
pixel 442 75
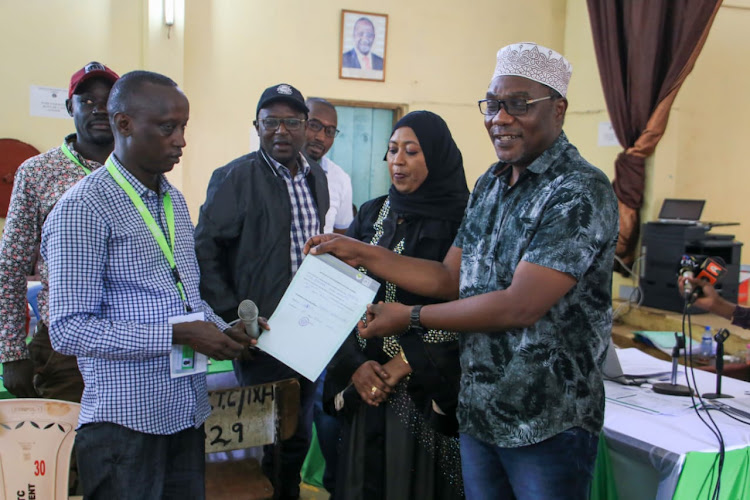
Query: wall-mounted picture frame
pixel 362 52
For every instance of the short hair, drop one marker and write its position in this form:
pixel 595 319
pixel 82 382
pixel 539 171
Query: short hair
pixel 364 19
pixel 319 100
pixel 121 95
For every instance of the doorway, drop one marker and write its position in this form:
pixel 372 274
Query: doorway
pixel 365 128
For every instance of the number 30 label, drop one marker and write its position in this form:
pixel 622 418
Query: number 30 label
pixel 39 468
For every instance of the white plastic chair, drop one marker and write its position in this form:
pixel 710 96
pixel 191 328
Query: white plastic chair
pixel 36 440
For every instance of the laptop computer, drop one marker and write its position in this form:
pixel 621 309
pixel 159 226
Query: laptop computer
pixel 612 369
pixel 686 212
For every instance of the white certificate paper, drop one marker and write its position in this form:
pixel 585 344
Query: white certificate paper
pixel 320 308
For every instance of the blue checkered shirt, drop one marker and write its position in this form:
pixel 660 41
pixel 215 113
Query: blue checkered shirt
pixel 111 292
pixel 305 221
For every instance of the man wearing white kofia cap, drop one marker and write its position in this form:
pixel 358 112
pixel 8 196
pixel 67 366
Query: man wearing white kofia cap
pixel 531 267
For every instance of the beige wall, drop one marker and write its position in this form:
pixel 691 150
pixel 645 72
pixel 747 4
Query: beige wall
pixel 45 41
pixel 702 154
pixel 440 56
pixel 225 52
pixel 712 133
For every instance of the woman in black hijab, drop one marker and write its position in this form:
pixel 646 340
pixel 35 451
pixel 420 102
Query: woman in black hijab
pixel 402 444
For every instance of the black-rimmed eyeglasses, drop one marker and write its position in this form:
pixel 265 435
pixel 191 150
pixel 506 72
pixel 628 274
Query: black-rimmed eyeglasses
pixel 291 124
pixel 317 126
pixel 515 106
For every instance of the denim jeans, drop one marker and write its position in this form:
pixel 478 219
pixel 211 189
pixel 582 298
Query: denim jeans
pixel 559 468
pixel 117 463
pixel 265 369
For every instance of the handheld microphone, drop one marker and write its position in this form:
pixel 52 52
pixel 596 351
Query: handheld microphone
pixel 688 265
pixel 712 270
pixel 248 313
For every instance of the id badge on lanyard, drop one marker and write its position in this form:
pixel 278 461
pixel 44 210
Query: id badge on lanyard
pixel 183 359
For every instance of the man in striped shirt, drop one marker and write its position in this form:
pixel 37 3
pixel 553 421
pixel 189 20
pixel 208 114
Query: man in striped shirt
pixel 259 210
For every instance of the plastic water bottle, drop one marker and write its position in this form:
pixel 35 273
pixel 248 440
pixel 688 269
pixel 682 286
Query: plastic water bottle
pixel 707 343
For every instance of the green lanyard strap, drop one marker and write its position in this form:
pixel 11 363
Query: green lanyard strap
pixel 66 150
pixel 153 226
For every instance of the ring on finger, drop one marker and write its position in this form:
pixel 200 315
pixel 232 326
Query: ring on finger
pixel 373 390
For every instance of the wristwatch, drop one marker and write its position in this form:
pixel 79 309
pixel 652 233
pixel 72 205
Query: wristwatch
pixel 414 321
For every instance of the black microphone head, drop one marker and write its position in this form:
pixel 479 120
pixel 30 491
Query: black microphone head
pixel 717 260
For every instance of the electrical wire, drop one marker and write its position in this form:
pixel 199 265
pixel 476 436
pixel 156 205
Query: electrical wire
pixel 636 295
pixel 728 414
pixel 713 426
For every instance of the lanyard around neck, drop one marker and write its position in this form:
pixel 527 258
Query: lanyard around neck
pixel 66 150
pixel 167 249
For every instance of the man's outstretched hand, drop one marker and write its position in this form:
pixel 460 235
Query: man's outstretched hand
pixel 384 320
pixel 347 249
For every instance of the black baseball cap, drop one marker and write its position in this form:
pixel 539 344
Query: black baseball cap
pixel 282 92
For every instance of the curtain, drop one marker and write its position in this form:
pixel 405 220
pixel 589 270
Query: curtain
pixel 645 50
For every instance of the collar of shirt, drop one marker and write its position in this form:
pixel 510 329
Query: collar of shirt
pixel 141 189
pixel 70 141
pixel 324 164
pixel 543 161
pixel 282 170
pixel 361 57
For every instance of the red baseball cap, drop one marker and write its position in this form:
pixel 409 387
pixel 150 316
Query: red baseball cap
pixel 91 70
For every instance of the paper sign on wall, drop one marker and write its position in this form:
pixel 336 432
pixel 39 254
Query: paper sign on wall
pixel 48 102
pixel 607 135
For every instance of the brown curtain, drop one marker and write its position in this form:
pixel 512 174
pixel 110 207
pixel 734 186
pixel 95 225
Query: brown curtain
pixel 645 49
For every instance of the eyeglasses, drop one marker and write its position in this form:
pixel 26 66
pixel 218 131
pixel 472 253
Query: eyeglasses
pixel 316 126
pixel 515 106
pixel 291 124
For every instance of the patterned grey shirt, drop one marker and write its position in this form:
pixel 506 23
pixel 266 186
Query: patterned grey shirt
pixel 525 385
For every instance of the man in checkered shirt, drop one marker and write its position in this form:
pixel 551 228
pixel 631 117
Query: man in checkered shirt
pixel 114 294
pixel 259 211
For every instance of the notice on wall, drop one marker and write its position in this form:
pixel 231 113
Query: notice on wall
pixel 607 135
pixel 48 102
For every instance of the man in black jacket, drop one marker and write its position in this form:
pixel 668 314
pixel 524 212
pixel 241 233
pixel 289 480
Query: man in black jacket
pixel 259 211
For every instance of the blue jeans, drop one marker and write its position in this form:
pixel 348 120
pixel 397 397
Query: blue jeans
pixel 265 369
pixel 560 468
pixel 117 463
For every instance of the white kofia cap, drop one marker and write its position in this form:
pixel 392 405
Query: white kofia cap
pixel 535 62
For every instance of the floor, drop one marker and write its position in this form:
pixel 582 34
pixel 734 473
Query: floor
pixel 231 478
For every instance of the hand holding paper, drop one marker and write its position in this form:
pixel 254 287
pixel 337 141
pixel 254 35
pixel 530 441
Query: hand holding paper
pixel 384 320
pixel 343 247
pixel 320 308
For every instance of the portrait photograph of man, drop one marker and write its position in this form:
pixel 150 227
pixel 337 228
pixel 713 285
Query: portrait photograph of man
pixel 363 40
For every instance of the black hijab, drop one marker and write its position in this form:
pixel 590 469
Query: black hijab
pixel 444 193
